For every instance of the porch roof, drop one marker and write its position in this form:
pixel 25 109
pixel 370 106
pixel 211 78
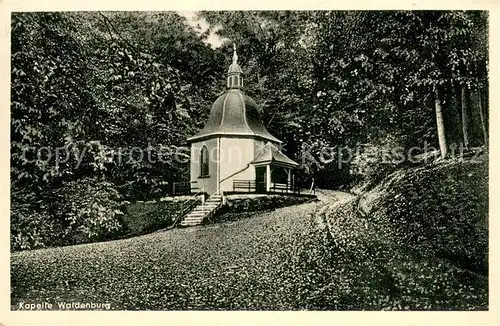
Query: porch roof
pixel 270 154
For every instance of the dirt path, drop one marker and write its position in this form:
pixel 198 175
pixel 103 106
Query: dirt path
pixel 275 260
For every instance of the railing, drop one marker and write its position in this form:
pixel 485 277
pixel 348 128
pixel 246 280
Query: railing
pixel 248 185
pixel 253 186
pixel 284 188
pixel 213 211
pixel 186 207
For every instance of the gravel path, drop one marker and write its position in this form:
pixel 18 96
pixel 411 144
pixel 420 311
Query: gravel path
pixel 275 261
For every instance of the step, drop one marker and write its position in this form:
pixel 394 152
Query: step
pixel 197 215
pixel 191 223
pixel 194 217
pixel 212 201
pixel 209 205
pixel 199 211
pixel 191 218
pixel 194 220
pixel 205 208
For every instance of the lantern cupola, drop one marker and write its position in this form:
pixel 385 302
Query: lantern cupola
pixel 234 73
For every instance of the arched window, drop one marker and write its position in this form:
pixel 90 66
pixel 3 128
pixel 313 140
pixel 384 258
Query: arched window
pixel 204 162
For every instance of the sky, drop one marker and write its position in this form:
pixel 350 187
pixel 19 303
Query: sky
pixel 193 20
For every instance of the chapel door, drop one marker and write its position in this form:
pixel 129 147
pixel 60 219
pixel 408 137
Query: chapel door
pixel 260 179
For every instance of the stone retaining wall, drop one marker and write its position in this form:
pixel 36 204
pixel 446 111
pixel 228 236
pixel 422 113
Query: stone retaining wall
pixel 256 202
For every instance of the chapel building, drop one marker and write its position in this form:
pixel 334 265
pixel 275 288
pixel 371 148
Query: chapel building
pixel 234 152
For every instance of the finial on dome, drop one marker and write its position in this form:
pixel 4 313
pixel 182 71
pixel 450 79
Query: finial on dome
pixel 235 56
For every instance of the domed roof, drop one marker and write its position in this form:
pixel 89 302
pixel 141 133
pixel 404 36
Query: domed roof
pixel 234 114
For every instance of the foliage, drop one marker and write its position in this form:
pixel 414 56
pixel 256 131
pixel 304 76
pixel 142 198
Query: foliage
pixel 80 211
pixel 31 224
pixel 374 161
pixel 90 210
pixel 327 79
pixel 47 97
pixel 94 87
pixel 443 210
pixel 89 94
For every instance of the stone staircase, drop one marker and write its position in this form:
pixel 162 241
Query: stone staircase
pixel 202 211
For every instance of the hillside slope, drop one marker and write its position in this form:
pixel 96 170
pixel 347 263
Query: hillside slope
pixel 418 240
pixel 274 260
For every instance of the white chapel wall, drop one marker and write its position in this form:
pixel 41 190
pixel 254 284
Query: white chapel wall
pixel 209 184
pixel 236 154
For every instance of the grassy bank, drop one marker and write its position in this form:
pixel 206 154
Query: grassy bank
pixel 147 217
pixel 418 240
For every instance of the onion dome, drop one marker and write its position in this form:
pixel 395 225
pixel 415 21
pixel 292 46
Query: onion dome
pixel 234 113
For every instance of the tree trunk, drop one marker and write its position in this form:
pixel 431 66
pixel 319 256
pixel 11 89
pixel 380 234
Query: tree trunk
pixel 440 125
pixel 481 115
pixel 170 185
pixel 465 123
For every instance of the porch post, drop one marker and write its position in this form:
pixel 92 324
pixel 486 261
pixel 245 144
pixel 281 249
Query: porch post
pixel 268 177
pixel 289 180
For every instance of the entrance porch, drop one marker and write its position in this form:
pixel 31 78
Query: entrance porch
pixel 269 178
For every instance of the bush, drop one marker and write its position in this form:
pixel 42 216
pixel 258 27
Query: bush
pixel 32 226
pixel 82 211
pixel 374 161
pixel 90 210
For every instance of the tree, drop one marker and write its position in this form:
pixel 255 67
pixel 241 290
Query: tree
pixel 93 87
pixel 440 125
